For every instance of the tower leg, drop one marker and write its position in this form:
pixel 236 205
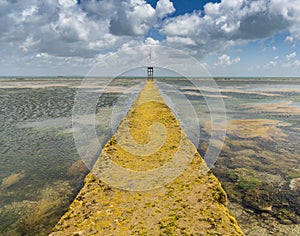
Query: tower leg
pixel 150 73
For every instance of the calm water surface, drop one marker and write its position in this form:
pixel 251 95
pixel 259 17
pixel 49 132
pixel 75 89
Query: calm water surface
pixel 259 166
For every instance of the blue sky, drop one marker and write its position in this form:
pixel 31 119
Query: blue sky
pixel 230 37
pixel 183 7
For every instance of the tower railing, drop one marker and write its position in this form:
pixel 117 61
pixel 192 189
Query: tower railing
pixel 150 73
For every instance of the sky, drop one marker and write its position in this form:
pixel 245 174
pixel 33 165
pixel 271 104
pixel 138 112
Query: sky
pixel 229 37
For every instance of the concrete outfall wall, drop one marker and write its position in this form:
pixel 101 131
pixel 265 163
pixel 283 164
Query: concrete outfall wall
pixel 192 203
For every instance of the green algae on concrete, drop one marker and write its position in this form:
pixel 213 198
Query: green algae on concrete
pixel 194 203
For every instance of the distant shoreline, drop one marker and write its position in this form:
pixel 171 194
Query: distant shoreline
pixel 20 78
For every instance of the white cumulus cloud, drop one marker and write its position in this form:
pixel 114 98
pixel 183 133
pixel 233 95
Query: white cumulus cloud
pixel 64 28
pixel 49 29
pixel 151 41
pixel 134 17
pixel 291 56
pixel 232 22
pixel 270 65
pixel 164 8
pixel 225 60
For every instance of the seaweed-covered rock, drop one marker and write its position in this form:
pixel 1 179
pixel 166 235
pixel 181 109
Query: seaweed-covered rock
pixel 258 199
pixel 35 217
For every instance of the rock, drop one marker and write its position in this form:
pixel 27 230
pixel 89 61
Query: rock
pixel 79 233
pixel 36 217
pixel 78 169
pixel 265 216
pixel 258 199
pixel 295 184
pixel 287 217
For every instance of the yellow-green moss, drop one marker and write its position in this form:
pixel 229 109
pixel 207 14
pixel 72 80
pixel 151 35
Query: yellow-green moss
pixel 192 204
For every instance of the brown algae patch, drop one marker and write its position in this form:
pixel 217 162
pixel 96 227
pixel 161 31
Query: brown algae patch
pixel 237 91
pixel 232 90
pixel 194 203
pixel 36 217
pixel 284 107
pixel 12 179
pixel 252 128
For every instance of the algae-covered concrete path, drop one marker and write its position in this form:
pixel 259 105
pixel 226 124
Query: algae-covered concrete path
pixel 163 196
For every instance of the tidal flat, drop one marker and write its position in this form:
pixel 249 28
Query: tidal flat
pixel 259 165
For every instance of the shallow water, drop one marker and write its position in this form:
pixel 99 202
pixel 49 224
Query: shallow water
pixel 40 169
pixel 259 166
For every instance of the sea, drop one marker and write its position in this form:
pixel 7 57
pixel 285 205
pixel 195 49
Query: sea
pixel 247 129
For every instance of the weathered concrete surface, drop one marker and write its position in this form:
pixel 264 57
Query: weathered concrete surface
pixel 194 203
